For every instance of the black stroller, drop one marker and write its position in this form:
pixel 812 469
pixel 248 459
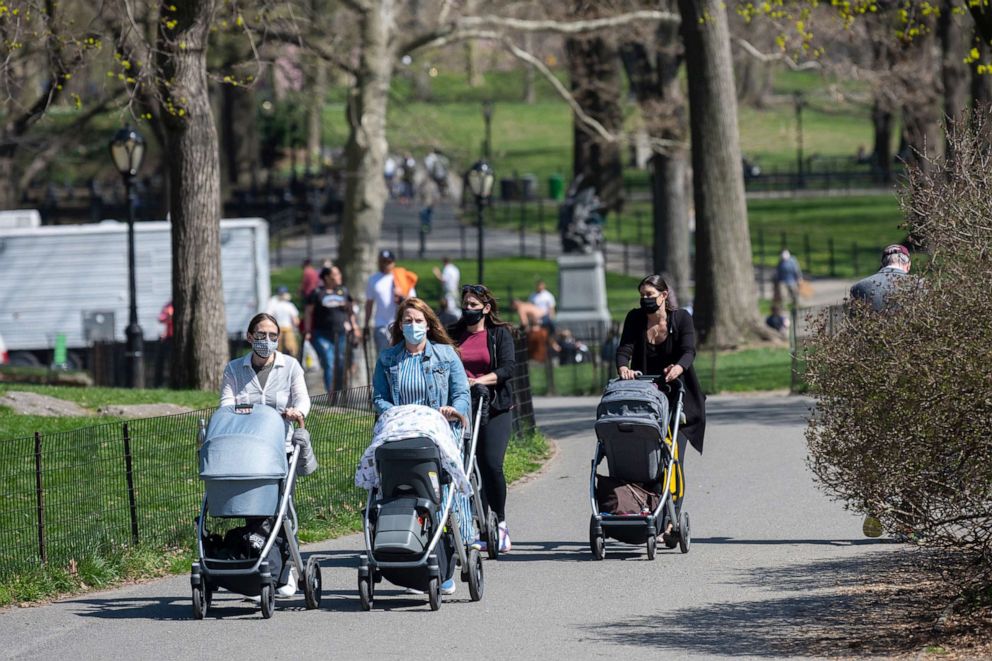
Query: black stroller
pixel 635 435
pixel 246 474
pixel 411 527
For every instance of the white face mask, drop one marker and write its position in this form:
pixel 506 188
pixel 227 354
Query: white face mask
pixel 264 348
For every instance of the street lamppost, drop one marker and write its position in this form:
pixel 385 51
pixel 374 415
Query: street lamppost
pixel 480 182
pixel 127 149
pixel 487 115
pixel 798 100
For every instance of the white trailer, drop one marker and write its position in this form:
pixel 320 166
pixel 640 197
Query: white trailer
pixel 73 280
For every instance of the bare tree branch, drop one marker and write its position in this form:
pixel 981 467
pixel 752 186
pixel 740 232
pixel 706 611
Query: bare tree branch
pixel 751 50
pixel 567 27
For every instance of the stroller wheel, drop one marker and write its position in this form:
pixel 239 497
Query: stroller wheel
pixel 434 593
pixel 476 580
pixel 312 584
pixel 268 600
pixel 685 537
pixel 492 535
pixel 365 594
pixel 597 541
pixel 200 603
pixel 652 547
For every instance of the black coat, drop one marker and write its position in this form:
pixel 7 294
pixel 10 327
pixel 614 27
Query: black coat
pixel 502 362
pixel 680 348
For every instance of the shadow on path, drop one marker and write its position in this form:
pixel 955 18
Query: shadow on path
pixel 851 607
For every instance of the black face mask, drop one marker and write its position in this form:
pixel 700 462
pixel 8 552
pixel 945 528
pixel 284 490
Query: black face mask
pixel 471 317
pixel 649 303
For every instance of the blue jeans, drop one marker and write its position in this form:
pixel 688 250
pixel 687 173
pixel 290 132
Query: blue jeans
pixel 331 354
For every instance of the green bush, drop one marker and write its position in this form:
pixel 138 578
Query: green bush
pixel 904 396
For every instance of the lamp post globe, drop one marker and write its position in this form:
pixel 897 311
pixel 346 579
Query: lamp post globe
pixel 480 181
pixel 127 149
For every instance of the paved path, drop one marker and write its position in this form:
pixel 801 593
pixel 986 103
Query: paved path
pixel 772 560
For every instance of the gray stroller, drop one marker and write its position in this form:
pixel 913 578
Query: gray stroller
pixel 635 425
pixel 247 475
pixel 411 528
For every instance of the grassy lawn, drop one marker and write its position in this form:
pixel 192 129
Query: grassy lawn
pixel 858 226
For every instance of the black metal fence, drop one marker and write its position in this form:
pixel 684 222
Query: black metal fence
pixel 97 490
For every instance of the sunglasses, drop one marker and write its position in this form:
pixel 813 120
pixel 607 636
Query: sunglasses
pixel 259 335
pixel 475 289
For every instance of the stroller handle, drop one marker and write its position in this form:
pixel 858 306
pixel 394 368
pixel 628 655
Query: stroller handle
pixel 675 384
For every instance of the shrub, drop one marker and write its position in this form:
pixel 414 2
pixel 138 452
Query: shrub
pixel 904 397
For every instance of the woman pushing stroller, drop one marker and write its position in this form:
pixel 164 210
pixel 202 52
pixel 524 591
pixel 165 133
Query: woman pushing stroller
pixel 659 338
pixel 267 376
pixel 422 367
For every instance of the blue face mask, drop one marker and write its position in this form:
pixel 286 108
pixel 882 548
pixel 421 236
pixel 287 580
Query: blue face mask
pixel 414 333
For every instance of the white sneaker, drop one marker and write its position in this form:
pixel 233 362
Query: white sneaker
pixel 288 590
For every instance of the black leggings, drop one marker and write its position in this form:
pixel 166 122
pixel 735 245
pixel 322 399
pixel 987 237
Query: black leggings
pixel 490 452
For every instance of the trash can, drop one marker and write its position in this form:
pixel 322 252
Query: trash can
pixel 508 189
pixel 556 187
pixel 527 187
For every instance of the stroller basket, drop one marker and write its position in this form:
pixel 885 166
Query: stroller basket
pixel 243 462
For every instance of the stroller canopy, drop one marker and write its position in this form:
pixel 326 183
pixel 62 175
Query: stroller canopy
pixel 413 421
pixel 244 446
pixel 633 399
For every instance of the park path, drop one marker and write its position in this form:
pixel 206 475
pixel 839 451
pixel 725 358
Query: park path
pixel 769 575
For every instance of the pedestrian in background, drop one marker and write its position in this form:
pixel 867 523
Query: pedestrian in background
pixel 893 275
pixel 287 317
pixel 386 288
pixel 330 322
pixel 787 276
pixel 450 278
pixel 309 280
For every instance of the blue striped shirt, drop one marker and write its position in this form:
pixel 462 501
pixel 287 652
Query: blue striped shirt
pixel 412 381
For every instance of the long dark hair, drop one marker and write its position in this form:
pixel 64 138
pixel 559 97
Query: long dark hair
pixel 435 330
pixel 658 283
pixel 484 296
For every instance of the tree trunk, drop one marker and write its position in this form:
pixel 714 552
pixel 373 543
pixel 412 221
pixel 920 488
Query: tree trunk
pixel 315 113
pixel 200 349
pixel 981 83
pixel 365 151
pixel 594 67
pixel 8 180
pixel 881 119
pixel 653 72
pixel 725 311
pixel 922 110
pixel 239 135
pixel 530 94
pixel 954 72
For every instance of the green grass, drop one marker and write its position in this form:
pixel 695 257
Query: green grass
pixel 745 371
pixel 858 226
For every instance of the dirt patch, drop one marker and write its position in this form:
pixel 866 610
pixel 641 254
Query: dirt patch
pixel 133 411
pixel 31 403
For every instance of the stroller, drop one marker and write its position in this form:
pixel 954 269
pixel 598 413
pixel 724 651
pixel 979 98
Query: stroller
pixel 414 473
pixel 485 519
pixel 246 474
pixel 635 435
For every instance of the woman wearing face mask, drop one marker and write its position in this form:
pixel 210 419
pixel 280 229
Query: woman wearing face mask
pixel 267 376
pixel 422 367
pixel 659 338
pixel 488 356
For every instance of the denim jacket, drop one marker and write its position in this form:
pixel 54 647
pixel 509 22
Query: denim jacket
pixel 447 384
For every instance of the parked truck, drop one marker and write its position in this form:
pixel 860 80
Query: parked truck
pixel 72 281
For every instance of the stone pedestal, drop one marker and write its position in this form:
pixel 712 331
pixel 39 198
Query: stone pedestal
pixel 582 295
